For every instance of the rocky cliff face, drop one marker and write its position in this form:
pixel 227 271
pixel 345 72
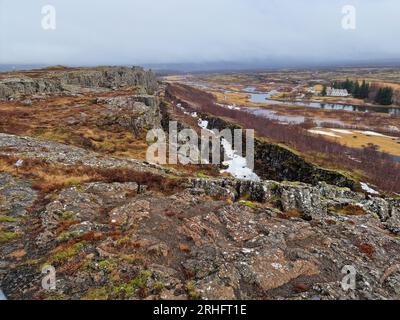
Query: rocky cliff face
pixel 137 113
pixel 310 201
pixel 73 80
pixel 111 77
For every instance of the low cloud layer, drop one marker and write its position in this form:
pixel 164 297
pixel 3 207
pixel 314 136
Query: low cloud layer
pixel 197 31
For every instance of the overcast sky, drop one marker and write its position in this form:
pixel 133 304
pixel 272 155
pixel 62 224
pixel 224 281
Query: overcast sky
pixel 185 31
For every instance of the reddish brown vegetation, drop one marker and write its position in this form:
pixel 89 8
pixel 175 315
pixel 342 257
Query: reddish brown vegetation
pixel 301 287
pixel 49 177
pixel 293 213
pixel 184 247
pixel 376 166
pixel 367 249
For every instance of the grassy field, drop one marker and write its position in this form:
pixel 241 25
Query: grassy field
pixel 362 139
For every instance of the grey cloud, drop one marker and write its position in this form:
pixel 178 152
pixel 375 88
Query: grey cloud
pixel 172 31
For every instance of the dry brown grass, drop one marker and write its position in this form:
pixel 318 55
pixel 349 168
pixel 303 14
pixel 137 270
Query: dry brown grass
pixel 237 98
pixel 349 210
pixel 48 177
pixel 45 119
pixel 289 214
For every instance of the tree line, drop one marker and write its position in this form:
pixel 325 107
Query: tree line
pixel 384 96
pixel 354 88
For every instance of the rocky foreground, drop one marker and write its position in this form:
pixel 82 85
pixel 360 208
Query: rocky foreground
pixel 114 227
pixel 116 241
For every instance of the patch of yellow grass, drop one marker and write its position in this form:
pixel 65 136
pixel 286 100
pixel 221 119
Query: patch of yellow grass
pixel 360 140
pixel 237 98
pixel 318 87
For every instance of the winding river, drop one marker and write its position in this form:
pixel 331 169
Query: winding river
pixel 257 97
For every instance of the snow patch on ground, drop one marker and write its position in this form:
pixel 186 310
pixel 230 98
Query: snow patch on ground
pixel 237 165
pixel 355 159
pixel 203 124
pixel 368 189
pixel 342 131
pixel 230 107
pixel 330 134
pixel 373 133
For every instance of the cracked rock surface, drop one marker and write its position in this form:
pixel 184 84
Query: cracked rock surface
pixel 109 241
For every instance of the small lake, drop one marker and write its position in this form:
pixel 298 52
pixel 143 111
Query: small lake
pixel 287 119
pixel 266 98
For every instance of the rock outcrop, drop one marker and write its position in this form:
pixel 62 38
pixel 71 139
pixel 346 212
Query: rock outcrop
pixel 311 201
pixel 76 80
pixel 109 241
pixel 138 113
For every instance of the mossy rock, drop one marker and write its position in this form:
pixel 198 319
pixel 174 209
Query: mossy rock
pixel 6 236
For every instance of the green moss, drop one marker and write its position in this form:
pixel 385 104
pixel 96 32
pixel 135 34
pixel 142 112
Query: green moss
pixel 55 296
pixel 67 253
pixel 67 215
pixel 8 219
pixel 132 259
pixel 79 188
pixel 249 204
pixel 192 291
pixel 294 183
pixel 107 265
pixel 202 175
pixel 73 182
pixel 65 236
pixel 275 200
pixel 37 263
pixel 129 289
pixel 123 241
pixel 96 294
pixel 158 285
pixel 141 280
pixel 275 186
pixel 6 236
pixel 376 216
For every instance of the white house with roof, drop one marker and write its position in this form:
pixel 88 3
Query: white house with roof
pixel 337 92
